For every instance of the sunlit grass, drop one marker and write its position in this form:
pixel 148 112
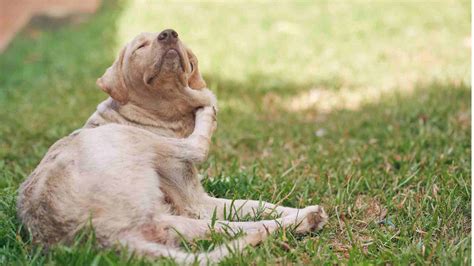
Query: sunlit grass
pixel 374 44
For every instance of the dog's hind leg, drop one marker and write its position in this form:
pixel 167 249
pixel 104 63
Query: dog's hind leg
pixel 161 236
pixel 305 220
pixel 230 209
pixel 136 242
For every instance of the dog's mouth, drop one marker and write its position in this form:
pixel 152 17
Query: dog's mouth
pixel 171 53
pixel 171 61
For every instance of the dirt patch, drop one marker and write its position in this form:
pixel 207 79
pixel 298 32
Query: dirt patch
pixel 353 222
pixel 370 209
pixel 14 15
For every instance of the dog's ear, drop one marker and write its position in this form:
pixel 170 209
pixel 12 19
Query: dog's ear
pixel 195 80
pixel 112 81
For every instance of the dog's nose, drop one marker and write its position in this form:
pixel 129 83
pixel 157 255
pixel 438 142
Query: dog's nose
pixel 168 35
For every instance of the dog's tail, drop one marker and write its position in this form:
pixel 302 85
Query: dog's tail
pixel 141 246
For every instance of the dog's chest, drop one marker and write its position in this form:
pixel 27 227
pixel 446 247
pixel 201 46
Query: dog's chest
pixel 182 128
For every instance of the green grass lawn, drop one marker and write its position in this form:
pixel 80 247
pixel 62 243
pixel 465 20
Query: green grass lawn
pixel 362 108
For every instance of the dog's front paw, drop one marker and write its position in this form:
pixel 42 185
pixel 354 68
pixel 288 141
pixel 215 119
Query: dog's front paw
pixel 206 111
pixel 211 99
pixel 207 114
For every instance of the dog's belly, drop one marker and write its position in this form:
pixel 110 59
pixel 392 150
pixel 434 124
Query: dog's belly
pixel 45 200
pixel 98 178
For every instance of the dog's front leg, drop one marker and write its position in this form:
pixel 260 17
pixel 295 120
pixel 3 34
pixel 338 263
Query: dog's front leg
pixel 195 148
pixel 199 98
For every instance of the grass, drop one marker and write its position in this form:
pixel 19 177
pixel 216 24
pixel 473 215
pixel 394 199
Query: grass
pixel 362 108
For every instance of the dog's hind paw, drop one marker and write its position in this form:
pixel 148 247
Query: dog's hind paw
pixel 310 219
pixel 316 218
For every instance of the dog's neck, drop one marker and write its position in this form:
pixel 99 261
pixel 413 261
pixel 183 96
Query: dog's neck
pixel 109 111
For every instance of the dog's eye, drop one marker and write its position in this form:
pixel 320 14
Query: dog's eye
pixel 192 66
pixel 141 46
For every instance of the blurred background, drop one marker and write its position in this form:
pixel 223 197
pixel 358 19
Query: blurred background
pixel 361 106
pixel 332 54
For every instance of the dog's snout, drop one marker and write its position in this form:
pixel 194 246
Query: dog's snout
pixel 168 35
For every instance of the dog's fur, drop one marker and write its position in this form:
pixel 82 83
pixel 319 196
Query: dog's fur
pixel 131 171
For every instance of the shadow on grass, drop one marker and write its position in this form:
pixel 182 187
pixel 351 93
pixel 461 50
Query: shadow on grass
pixel 41 56
pixel 48 85
pixel 251 130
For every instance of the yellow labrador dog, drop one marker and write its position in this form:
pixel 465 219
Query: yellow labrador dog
pixel 130 171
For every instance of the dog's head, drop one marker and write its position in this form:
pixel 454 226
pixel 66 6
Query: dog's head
pixel 153 67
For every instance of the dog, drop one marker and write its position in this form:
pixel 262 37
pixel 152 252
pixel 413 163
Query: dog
pixel 131 170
